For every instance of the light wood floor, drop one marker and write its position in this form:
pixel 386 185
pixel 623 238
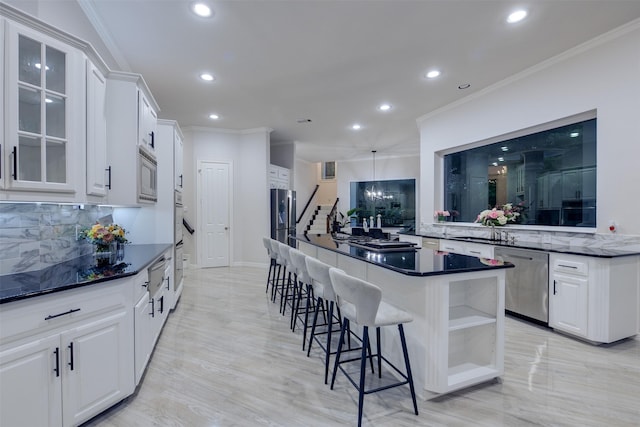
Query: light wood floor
pixel 226 357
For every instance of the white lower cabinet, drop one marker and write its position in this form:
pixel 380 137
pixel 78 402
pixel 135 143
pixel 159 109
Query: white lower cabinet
pixel 96 366
pixel 568 308
pixel 66 357
pixel 37 401
pixel 142 326
pixel 594 298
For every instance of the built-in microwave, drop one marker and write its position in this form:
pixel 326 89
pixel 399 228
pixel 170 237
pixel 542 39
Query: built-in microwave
pixel 147 177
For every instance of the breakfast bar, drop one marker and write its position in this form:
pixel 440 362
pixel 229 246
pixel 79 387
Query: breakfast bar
pixel 456 339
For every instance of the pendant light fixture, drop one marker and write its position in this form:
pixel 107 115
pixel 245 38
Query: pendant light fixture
pixel 372 193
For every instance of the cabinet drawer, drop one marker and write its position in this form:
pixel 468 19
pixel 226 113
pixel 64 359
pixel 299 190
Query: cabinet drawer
pixel 49 312
pixel 571 266
pixel 452 247
pixel 479 250
pixel 430 243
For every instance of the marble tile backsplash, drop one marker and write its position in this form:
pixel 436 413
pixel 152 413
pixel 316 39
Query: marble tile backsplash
pixel 34 236
pixel 595 240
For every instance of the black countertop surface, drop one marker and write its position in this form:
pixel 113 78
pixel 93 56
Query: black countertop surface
pixel 412 262
pixel 547 247
pixel 77 272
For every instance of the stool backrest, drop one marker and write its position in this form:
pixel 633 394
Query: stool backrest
pixel 286 259
pixel 319 273
pixel 357 296
pixel 266 241
pixel 299 263
pixel 275 249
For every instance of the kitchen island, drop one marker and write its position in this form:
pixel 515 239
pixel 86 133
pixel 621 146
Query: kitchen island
pixel 456 339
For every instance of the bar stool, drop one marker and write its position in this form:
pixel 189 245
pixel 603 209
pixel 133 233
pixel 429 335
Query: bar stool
pixel 279 282
pixel 289 294
pixel 266 241
pixel 302 289
pixel 361 303
pixel 323 291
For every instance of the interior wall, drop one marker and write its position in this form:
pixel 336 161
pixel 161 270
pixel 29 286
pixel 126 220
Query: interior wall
pixel 283 154
pixel 248 152
pixel 594 76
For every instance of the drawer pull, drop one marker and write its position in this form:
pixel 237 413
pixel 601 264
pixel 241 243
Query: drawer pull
pixel 53 316
pixel 568 266
pixel 474 252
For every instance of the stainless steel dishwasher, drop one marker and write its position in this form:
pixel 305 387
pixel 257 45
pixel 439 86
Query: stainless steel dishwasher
pixel 527 286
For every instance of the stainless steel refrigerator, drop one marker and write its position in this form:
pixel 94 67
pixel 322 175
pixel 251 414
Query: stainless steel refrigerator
pixel 283 215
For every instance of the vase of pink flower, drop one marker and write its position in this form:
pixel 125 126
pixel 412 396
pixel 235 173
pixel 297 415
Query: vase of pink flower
pixel 441 216
pixel 498 217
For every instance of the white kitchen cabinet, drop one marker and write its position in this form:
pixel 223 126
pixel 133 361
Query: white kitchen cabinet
pixel 43 117
pixel 568 307
pixel 147 122
pixel 594 298
pixel 66 356
pixel 30 383
pixel 178 166
pixel 98 366
pixel 127 152
pixel 142 328
pixel 279 177
pixel 477 250
pixel 98 172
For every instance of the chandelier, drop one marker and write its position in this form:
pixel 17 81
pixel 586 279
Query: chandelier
pixel 373 193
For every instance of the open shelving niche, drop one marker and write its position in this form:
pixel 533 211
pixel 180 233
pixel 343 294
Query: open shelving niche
pixel 475 335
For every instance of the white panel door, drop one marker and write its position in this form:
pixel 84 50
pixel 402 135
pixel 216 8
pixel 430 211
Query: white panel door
pixel 30 384
pixel 213 218
pixel 98 367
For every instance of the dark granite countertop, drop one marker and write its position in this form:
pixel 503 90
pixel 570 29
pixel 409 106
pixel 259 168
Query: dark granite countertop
pixel 77 272
pixel 412 262
pixel 547 247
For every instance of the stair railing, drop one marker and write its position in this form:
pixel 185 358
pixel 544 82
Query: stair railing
pixel 308 203
pixel 332 215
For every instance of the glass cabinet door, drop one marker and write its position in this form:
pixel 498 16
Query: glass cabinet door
pixel 41 152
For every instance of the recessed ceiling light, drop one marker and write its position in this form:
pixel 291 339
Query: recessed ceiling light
pixel 574 134
pixel 504 148
pixel 516 16
pixel 433 74
pixel 356 126
pixel 214 116
pixel 201 9
pixel 494 164
pixel 501 159
pixel 384 107
pixel 207 77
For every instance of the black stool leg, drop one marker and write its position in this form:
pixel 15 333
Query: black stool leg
pixel 379 353
pixel 313 326
pixel 327 356
pixel 336 363
pixel 363 370
pixel 408 367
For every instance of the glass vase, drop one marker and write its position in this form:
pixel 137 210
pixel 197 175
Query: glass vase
pixel 105 254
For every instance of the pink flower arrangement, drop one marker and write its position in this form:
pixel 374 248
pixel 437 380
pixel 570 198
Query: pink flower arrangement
pixel 438 214
pixel 498 217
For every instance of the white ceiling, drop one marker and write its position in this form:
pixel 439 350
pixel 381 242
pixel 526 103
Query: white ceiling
pixel 333 61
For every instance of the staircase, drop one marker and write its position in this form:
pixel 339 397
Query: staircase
pixel 318 222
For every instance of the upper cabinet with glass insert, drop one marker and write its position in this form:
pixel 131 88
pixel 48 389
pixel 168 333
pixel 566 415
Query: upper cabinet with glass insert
pixel 44 88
